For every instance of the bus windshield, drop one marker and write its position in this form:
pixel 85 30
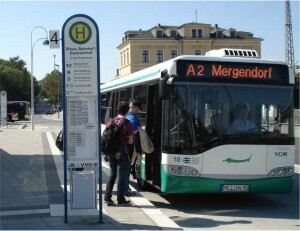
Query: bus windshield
pixel 200 116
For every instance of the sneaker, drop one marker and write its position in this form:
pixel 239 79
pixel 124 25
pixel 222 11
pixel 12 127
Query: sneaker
pixel 109 201
pixel 124 202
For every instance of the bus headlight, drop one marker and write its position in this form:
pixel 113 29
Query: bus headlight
pixel 281 172
pixel 177 170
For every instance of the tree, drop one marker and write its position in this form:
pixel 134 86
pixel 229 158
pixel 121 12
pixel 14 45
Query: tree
pixel 15 79
pixel 49 87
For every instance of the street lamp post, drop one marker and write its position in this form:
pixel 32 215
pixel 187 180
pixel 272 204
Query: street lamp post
pixel 46 42
pixel 56 65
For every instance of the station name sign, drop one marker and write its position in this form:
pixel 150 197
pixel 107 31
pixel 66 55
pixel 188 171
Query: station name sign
pixel 233 72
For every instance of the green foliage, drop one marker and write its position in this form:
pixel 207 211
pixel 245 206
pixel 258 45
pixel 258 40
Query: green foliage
pixel 49 87
pixel 15 79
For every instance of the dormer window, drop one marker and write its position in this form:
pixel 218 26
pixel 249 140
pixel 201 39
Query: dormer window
pixel 173 34
pixel 159 34
pixel 219 34
pixel 232 34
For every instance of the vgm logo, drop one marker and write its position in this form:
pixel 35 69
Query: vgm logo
pixel 281 154
pixel 80 32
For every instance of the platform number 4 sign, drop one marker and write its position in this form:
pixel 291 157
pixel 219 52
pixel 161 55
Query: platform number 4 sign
pixel 54 38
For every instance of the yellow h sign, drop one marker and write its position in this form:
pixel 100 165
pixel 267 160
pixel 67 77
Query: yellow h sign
pixel 80 32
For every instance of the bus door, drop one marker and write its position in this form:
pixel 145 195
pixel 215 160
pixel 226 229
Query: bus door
pixel 153 128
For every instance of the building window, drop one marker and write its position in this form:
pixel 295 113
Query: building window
pixel 145 56
pixel 197 33
pixel 232 34
pixel 197 52
pixel 128 56
pixel 173 34
pixel 121 60
pixel 159 34
pixel 194 33
pixel 159 56
pixel 219 34
pixel 174 53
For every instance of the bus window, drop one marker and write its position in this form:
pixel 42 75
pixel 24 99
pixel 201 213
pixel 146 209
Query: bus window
pixel 140 93
pixel 125 94
pixel 106 102
pixel 276 119
pixel 198 114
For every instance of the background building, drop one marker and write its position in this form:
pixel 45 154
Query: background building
pixel 141 49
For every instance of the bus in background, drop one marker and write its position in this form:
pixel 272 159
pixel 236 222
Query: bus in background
pixel 190 104
pixel 17 110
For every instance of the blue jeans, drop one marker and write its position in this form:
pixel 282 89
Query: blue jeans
pixel 126 188
pixel 118 168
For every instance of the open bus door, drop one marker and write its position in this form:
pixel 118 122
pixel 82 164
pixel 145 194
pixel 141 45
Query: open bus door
pixel 150 170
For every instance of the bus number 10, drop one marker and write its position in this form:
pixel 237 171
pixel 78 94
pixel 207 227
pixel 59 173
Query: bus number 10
pixel 176 159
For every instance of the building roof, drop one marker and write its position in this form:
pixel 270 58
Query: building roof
pixel 148 34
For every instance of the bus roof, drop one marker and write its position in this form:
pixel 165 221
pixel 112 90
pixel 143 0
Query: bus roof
pixel 154 72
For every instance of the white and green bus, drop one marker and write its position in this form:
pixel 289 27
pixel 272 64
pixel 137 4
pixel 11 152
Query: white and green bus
pixel 189 105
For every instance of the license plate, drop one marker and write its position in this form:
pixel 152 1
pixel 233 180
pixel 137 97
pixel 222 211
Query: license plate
pixel 235 188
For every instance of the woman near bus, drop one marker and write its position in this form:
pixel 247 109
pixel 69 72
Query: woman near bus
pixel 119 164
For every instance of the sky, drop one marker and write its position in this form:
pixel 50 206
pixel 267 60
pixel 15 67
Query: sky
pixel 265 19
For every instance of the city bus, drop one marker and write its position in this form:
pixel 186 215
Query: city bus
pixel 189 105
pixel 17 110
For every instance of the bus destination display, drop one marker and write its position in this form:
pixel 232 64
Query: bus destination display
pixel 233 71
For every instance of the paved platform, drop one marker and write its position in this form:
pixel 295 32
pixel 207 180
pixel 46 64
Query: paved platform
pixel 32 194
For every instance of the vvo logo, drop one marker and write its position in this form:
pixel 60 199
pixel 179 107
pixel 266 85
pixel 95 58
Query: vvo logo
pixel 281 154
pixel 88 164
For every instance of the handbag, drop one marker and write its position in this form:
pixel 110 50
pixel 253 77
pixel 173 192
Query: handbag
pixel 146 143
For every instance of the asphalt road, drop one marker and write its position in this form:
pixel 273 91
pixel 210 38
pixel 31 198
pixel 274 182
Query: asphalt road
pixel 219 211
pixel 232 211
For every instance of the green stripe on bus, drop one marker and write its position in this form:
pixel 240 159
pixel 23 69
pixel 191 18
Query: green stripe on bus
pixel 182 184
pixel 130 81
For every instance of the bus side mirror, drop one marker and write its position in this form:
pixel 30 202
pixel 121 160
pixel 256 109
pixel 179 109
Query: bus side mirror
pixel 162 88
pixel 162 84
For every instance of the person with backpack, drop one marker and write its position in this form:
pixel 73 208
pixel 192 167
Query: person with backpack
pixel 118 159
pixel 135 107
